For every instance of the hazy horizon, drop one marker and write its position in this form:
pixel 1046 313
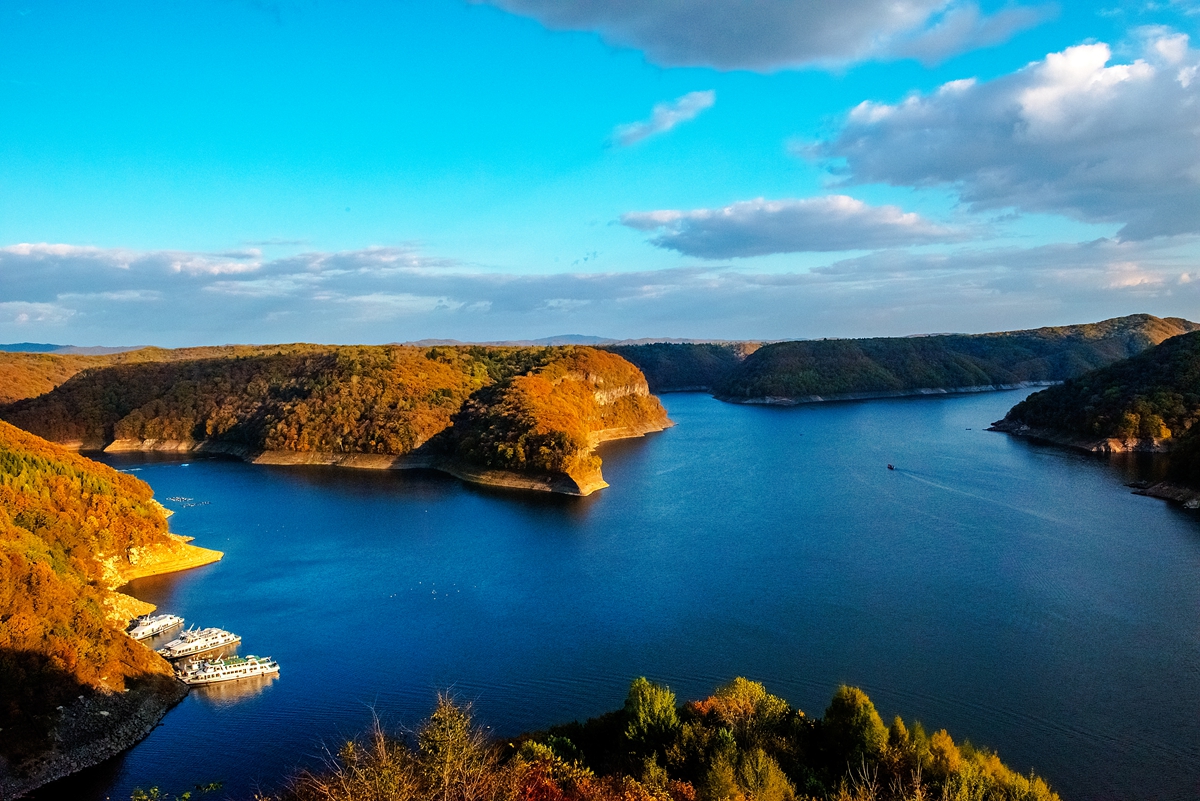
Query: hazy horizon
pixel 558 339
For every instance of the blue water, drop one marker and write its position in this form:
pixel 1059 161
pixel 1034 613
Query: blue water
pixel 1018 595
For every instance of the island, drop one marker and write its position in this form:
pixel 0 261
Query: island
pixel 74 688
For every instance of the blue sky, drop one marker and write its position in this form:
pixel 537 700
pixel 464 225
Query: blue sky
pixel 189 173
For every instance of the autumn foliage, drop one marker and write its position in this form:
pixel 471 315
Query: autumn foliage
pixel 524 409
pixel 549 419
pixel 60 516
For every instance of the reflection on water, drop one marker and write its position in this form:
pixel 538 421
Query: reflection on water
pixel 232 692
pixel 1014 593
pixel 163 637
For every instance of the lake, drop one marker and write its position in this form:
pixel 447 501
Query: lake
pixel 1018 595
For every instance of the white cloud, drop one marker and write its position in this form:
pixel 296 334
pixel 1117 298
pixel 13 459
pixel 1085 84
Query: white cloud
pixel 380 295
pixel 20 314
pixel 1071 134
pixel 664 117
pixel 760 227
pixel 766 35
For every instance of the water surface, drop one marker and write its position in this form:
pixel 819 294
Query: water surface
pixel 1015 594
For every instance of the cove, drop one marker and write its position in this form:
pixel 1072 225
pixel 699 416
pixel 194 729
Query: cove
pixel 1018 595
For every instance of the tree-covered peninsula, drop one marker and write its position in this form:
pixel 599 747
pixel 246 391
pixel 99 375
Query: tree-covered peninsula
pixel 74 689
pixel 1149 402
pixel 518 417
pixel 740 744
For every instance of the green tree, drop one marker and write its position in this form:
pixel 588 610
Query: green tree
pixel 653 718
pixel 456 760
pixel 854 732
pixel 761 778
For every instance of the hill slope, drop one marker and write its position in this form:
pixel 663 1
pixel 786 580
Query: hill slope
pixel 1150 402
pixel 70 531
pixel 543 411
pixel 685 366
pixel 795 372
pixel 28 374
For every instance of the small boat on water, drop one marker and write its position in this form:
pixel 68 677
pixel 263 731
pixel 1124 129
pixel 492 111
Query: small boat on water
pixel 212 671
pixel 197 641
pixel 149 625
pixel 891 467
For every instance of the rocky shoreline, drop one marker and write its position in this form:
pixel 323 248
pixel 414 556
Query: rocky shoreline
pixel 581 484
pixel 1090 444
pixel 780 400
pixel 1188 497
pixel 101 724
pixel 94 728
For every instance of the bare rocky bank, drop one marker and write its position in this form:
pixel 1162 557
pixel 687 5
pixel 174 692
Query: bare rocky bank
pixel 94 728
pixel 1090 444
pixel 780 400
pixel 581 483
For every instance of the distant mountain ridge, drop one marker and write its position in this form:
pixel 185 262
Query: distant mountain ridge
pixel 30 347
pixel 72 350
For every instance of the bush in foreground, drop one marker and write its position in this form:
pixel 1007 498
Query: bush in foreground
pixel 740 744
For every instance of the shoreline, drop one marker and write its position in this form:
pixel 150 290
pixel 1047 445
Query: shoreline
pixel 580 485
pixel 104 724
pixel 1187 497
pixel 1167 490
pixel 1089 444
pixel 786 400
pixel 170 558
pixel 94 729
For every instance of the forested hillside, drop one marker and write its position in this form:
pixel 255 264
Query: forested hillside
pixel 1148 402
pixel 797 371
pixel 61 518
pixel 535 410
pixel 548 421
pixel 740 744
pixel 27 375
pixel 674 367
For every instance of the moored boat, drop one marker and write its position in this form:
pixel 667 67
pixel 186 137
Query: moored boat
pixel 148 626
pixel 197 641
pixel 213 671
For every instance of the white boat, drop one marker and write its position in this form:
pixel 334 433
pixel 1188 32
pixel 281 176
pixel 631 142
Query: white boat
pixel 146 627
pixel 231 668
pixel 195 641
